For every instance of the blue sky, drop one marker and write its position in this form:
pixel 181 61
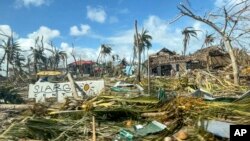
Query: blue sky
pixel 89 23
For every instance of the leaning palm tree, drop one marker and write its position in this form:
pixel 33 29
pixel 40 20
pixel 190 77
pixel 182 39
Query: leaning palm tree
pixel 209 39
pixel 142 41
pixel 105 50
pixel 188 32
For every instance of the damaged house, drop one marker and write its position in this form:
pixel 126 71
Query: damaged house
pixel 84 67
pixel 212 57
pixel 162 62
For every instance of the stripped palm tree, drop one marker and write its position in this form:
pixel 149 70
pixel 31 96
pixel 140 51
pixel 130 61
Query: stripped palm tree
pixel 38 55
pixel 57 56
pixel 11 48
pixel 188 32
pixel 18 62
pixel 209 39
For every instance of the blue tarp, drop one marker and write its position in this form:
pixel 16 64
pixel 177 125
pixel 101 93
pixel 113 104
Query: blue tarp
pixel 129 70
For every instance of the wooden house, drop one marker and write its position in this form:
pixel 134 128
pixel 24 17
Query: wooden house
pixel 212 57
pixel 162 62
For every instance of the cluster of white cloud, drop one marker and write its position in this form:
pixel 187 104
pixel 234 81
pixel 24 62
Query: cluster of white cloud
pixel 97 14
pixel 83 30
pixel 45 32
pixel 80 52
pixel 162 36
pixel 5 30
pixel 28 3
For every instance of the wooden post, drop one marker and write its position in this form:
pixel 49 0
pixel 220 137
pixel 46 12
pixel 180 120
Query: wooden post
pixel 148 75
pixel 93 128
pixel 72 85
pixel 139 53
pixel 15 106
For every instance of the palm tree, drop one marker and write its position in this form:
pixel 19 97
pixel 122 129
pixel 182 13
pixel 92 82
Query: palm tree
pixel 57 56
pixel 11 48
pixel 209 39
pixel 38 55
pixel 115 57
pixel 105 50
pixel 188 32
pixel 124 62
pixel 19 62
pixel 141 42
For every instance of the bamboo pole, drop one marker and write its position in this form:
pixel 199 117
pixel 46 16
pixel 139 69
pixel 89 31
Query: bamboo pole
pixel 154 114
pixel 93 128
pixel 15 106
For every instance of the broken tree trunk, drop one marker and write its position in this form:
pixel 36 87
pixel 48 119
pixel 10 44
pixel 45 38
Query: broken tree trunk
pixel 73 88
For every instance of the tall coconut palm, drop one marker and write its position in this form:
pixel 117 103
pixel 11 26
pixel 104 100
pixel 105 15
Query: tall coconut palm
pixel 11 48
pixel 209 39
pixel 142 41
pixel 188 32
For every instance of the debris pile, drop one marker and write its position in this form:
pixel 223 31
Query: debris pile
pixel 177 109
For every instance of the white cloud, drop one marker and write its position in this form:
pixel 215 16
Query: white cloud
pixel 122 43
pixel 80 52
pixel 83 30
pixel 97 14
pixel 45 32
pixel 28 3
pixel 163 36
pixel 6 30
